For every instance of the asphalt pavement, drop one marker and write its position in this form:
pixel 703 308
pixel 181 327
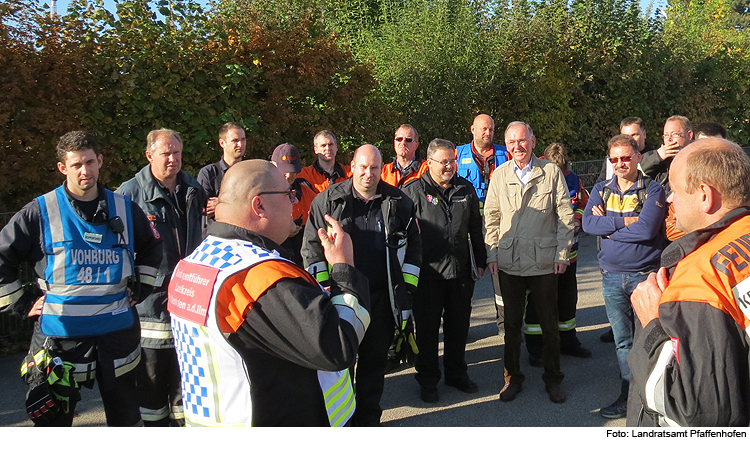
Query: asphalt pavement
pixel 590 383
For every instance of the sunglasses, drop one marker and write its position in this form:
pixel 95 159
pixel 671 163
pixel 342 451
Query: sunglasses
pixel 408 140
pixel 624 159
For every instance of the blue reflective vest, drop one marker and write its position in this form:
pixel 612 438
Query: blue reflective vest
pixel 468 168
pixel 87 270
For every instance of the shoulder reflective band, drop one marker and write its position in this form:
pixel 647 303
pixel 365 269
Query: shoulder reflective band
pixel 352 312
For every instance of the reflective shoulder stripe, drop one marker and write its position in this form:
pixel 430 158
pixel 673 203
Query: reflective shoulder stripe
pixel 122 211
pixel 10 293
pixel 319 270
pixel 53 216
pixel 352 312
pixel 411 279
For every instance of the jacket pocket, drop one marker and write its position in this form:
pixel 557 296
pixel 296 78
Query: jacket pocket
pixel 505 253
pixel 545 250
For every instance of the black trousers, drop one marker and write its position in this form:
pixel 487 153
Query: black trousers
pixel 159 388
pixel 449 300
pixel 105 359
pixel 543 293
pixel 567 299
pixel 372 356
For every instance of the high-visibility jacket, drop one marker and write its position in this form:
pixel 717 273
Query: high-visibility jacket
pixel 394 177
pixel 259 342
pixel 320 179
pixel 468 168
pixel 87 269
pixel 689 366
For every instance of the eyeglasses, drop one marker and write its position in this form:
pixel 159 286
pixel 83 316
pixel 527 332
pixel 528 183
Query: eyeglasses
pixel 624 159
pixel 444 162
pixel 408 140
pixel 671 135
pixel 289 192
pixel 521 142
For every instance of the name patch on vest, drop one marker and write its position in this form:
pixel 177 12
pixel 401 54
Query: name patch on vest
pixel 742 296
pixel 466 160
pixel 190 291
pixel 92 237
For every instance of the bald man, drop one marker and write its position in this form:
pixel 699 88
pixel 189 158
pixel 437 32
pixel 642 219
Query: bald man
pixel 380 220
pixel 479 158
pixel 237 307
pixel 689 364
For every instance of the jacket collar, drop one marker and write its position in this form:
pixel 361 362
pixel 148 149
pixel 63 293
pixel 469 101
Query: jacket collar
pixel 151 189
pixel 230 231
pixel 690 242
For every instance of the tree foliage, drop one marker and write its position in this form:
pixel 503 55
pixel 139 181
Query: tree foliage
pixel 286 69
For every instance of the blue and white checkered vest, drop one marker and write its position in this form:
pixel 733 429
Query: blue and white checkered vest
pixel 215 385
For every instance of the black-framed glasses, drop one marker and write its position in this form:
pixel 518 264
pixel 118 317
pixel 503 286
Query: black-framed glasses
pixel 289 192
pixel 408 140
pixel 444 162
pixel 624 159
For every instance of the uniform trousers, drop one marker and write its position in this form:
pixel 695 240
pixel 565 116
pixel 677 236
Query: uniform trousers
pixel 567 299
pixel 372 356
pixel 543 293
pixel 160 389
pixel 111 360
pixel 449 300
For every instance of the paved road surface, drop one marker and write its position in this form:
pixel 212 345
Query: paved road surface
pixel 591 383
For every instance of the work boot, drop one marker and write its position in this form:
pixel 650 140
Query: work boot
pixel 608 336
pixel 465 385
pixel 429 394
pixel 556 393
pixel 510 391
pixel 576 351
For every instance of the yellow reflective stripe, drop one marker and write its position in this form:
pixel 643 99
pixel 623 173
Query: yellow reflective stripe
pixel 564 326
pixel 341 413
pixel 152 415
pixel 532 329
pixel 11 293
pixel 411 279
pixel 128 363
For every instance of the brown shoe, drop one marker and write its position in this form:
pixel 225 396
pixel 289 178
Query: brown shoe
pixel 510 391
pixel 556 393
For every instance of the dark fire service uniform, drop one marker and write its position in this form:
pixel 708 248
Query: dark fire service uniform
pixel 84 264
pixel 178 219
pixel 451 224
pixel 259 342
pixel 691 365
pixel 390 213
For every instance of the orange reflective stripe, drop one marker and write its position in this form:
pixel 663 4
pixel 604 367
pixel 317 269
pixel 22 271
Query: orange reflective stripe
pixel 241 291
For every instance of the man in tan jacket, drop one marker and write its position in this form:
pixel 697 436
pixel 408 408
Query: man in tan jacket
pixel 529 221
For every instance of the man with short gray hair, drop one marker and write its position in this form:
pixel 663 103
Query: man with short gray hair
pixel 529 221
pixel 173 201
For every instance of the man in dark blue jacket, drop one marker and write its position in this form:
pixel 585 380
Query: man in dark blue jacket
pixel 447 208
pixel 628 212
pixel 173 201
